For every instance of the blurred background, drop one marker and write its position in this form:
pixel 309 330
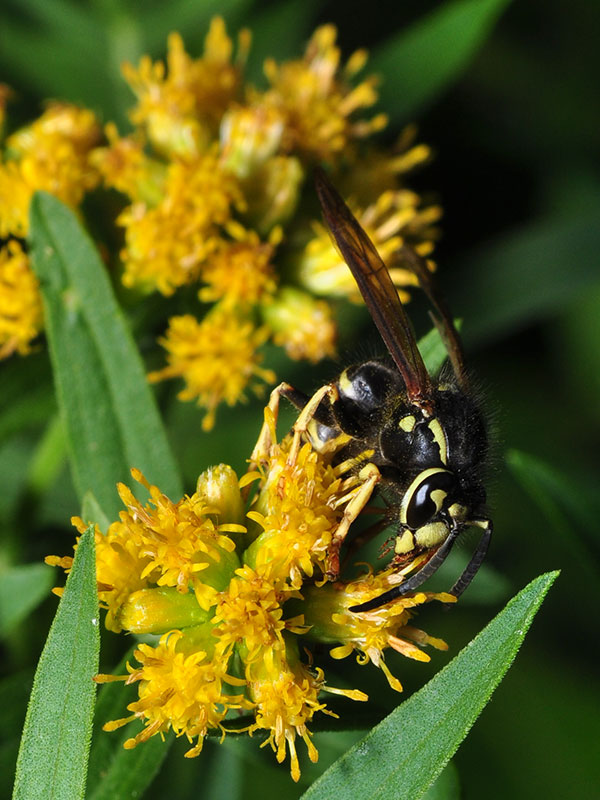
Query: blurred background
pixel 513 119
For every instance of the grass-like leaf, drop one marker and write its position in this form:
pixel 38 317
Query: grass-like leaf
pixel 404 754
pixel 54 749
pixel 22 588
pixel 571 511
pixel 422 60
pixel 526 275
pixel 111 419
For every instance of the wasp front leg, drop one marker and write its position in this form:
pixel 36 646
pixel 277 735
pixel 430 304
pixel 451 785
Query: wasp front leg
pixel 268 436
pixel 308 413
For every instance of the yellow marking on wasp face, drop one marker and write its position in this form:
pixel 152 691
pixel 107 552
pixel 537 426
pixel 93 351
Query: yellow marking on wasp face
pixel 407 423
pixel 432 534
pixel 458 512
pixel 422 476
pixel 404 543
pixel 439 437
pixel 438 496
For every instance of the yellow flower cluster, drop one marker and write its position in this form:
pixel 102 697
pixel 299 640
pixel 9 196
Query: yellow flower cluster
pixel 213 174
pixel 234 597
pixel 51 155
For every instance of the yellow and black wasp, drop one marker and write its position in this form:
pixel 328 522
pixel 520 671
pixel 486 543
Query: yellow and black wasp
pixel 424 438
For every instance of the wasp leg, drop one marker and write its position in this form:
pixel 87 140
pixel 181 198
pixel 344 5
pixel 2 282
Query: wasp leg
pixel 370 477
pixel 307 414
pixel 477 558
pixel 414 581
pixel 266 437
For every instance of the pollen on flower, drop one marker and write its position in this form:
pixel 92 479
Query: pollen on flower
pixel 218 359
pixel 235 604
pixel 21 317
pixel 183 545
pixel 124 166
pixel 316 100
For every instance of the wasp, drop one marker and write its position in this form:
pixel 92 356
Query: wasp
pixel 421 439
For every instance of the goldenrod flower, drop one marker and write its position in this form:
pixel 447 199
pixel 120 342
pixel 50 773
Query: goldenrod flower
pixel 250 136
pixel 378 171
pixel 369 634
pixel 184 547
pixel 393 220
pixel 181 688
pixel 181 107
pixel 286 699
pixel 297 510
pixel 214 173
pixel 316 100
pixel 167 244
pixel 52 154
pixel 235 605
pixel 240 272
pixel 249 614
pixel 303 326
pixel 217 358
pixel 124 166
pixel 21 317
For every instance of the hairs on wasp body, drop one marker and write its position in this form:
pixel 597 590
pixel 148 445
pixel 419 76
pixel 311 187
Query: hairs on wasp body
pixel 422 439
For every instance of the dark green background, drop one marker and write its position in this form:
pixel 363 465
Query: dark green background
pixel 516 168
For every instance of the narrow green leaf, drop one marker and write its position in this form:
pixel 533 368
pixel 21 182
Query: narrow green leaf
pixel 446 786
pixel 22 588
pixel 525 276
pixel 54 749
pixel 421 61
pixel 90 509
pixel 404 754
pixel 113 771
pixel 50 456
pixel 433 349
pixel 111 419
pixel 571 511
pixel 27 396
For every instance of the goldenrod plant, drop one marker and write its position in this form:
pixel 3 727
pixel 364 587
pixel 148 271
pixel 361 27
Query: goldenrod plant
pixel 196 629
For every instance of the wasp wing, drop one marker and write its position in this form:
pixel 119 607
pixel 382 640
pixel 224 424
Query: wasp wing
pixel 442 317
pixel 377 289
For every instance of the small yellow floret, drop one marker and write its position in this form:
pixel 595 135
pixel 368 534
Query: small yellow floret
pixel 301 324
pixel 217 358
pixel 316 101
pixel 182 105
pixel 21 317
pixel 52 154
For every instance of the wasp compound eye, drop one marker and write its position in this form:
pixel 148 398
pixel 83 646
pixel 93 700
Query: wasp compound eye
pixel 427 495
